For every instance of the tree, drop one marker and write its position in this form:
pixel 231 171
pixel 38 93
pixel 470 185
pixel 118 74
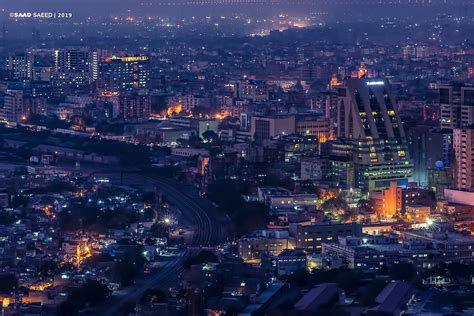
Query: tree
pixel 250 216
pixel 94 292
pixel 402 271
pixel 299 278
pixel 210 136
pixel 204 256
pixel 153 295
pixel 8 282
pixel 458 271
pixel 348 280
pixel 335 205
pixel 365 206
pixel 370 292
pixel 48 267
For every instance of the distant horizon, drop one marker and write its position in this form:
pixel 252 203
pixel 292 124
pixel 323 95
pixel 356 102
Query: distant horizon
pixel 144 6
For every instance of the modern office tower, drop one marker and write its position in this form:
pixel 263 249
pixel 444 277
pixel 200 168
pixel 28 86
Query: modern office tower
pixel 463 167
pixel 457 105
pixel 367 118
pixel 18 66
pixel 77 65
pixel 125 73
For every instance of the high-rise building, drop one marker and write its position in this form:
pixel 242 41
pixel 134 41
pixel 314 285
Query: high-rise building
pixel 125 73
pixel 18 66
pixel 133 107
pixel 463 168
pixel 79 64
pixel 457 105
pixel 429 149
pixel 42 64
pixel 367 118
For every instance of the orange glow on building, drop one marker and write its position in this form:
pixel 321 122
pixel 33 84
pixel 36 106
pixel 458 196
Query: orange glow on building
pixel 327 195
pixel 222 115
pixel 40 287
pixel 5 302
pixel 335 82
pixel 362 71
pixel 204 164
pixel 387 202
pixel 82 253
pixel 47 211
pixel 173 110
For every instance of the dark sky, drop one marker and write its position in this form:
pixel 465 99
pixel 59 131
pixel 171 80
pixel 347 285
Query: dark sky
pixel 138 7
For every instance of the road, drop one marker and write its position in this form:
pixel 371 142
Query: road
pixel 208 232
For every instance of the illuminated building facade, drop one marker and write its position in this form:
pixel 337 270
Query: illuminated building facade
pixel 256 244
pixel 18 66
pixel 311 237
pixel 463 144
pixel 387 202
pixel 251 89
pixel 367 118
pixel 315 125
pixel 80 62
pixel 125 73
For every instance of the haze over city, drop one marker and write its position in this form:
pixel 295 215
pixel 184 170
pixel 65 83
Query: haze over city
pixel 237 157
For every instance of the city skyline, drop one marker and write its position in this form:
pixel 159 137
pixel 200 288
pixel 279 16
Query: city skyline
pixel 237 157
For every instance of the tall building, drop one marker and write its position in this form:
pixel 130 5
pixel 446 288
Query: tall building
pixel 429 149
pixel 387 202
pixel 79 66
pixel 13 106
pixel 18 66
pixel 42 64
pixel 457 105
pixel 463 145
pixel 367 118
pixel 133 107
pixel 125 73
